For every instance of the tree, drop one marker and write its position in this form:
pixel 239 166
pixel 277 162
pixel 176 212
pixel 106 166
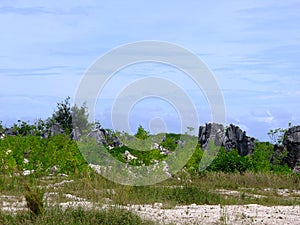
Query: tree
pixel 189 130
pixel 67 117
pixel 80 118
pixel 63 115
pixel 276 136
pixel 1 127
pixel 142 133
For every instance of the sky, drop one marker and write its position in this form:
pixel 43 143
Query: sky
pixel 251 47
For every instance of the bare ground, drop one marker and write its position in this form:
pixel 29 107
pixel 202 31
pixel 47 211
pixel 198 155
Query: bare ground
pixel 186 214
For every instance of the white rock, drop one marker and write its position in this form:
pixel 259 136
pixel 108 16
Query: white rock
pixel 8 151
pixel 129 156
pixel 27 172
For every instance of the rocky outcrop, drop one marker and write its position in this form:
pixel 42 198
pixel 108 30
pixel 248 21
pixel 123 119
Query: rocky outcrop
pixel 56 129
pixel 105 137
pixel 279 155
pixel 291 142
pixel 211 132
pixel 231 138
pixel 76 134
pixel 236 138
pixel 10 132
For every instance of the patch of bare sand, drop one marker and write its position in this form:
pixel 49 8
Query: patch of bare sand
pixel 216 214
pixel 186 214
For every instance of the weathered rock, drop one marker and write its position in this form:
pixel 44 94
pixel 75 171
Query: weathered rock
pixel 55 129
pixel 279 155
pixel 104 137
pixel 76 134
pixel 10 132
pixel 231 138
pixel 98 136
pixel 128 156
pixel 211 132
pixel 235 138
pixel 292 143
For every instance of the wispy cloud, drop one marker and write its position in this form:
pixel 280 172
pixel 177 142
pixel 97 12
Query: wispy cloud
pixel 42 71
pixel 252 47
pixel 30 11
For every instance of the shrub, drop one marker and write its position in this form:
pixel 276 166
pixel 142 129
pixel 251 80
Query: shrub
pixel 230 162
pixel 42 154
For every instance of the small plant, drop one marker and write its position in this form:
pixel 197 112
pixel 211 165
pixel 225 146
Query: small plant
pixel 142 133
pixel 34 200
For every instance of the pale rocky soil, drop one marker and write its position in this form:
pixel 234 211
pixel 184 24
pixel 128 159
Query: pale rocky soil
pixel 216 214
pixel 186 214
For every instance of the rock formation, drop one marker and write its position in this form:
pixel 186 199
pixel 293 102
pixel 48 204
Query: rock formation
pixel 105 137
pixel 56 129
pixel 76 134
pixel 231 138
pixel 235 138
pixel 211 132
pixel 291 142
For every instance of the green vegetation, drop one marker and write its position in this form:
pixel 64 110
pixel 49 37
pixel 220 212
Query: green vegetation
pixel 113 216
pixel 19 153
pixel 142 133
pixel 258 174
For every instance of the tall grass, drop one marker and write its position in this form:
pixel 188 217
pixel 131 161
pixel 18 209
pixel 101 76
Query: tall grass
pixel 54 216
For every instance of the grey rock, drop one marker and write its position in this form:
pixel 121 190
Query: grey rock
pixel 235 138
pixel 181 143
pixel 55 129
pixel 76 134
pixel 231 138
pixel 278 157
pixel 10 132
pixel 54 170
pixel 104 137
pixel 211 132
pixel 292 143
pixel 98 136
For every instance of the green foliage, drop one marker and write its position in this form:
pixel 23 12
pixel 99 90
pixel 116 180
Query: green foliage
pixel 144 157
pixel 34 200
pixel 63 115
pixel 1 127
pixel 260 160
pixel 7 160
pixel 142 133
pixel 24 128
pixel 194 162
pixel 230 162
pixel 80 118
pixel 277 135
pixel 80 216
pixel 42 154
pixel 187 194
pixel 170 141
pixel 189 130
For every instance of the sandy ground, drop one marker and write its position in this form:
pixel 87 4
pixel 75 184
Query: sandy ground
pixel 216 214
pixel 187 214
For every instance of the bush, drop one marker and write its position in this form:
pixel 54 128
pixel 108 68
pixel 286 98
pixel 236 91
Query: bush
pixel 230 162
pixel 32 153
pixel 260 160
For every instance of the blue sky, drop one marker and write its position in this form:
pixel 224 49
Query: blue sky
pixel 252 47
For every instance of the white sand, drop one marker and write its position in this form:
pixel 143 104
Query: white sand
pixel 187 214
